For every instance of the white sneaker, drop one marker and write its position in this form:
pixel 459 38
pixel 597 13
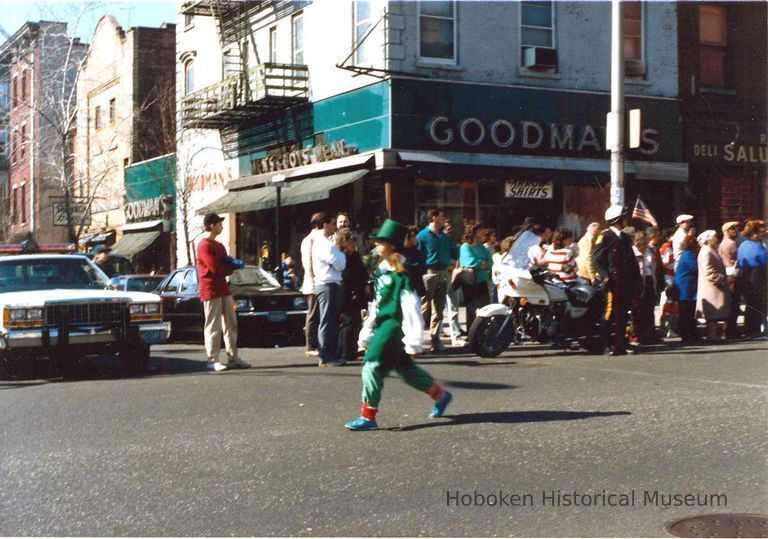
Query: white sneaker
pixel 458 342
pixel 216 366
pixel 238 363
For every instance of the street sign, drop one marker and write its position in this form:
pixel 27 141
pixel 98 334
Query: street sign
pixel 80 212
pixel 634 128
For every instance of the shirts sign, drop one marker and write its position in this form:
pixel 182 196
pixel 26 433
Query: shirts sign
pixel 528 189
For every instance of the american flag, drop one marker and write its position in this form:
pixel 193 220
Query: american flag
pixel 642 212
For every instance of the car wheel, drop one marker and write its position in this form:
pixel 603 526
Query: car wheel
pixel 134 358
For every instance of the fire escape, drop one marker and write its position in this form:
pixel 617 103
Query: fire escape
pixel 246 91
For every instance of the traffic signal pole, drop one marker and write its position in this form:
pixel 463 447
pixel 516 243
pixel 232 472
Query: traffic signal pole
pixel 617 103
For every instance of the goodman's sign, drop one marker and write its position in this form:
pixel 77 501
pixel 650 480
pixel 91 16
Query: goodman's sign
pixel 528 135
pixel 475 118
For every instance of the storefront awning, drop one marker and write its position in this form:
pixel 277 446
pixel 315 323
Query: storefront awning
pixel 97 239
pixel 295 192
pixel 141 225
pixel 648 170
pixel 365 160
pixel 132 244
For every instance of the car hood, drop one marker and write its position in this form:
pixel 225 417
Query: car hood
pixel 58 295
pixel 253 290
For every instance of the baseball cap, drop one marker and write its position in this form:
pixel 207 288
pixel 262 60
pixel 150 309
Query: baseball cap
pixel 730 224
pixel 683 218
pixel 614 212
pixel 211 219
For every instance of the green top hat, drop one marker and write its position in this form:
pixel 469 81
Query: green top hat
pixel 391 232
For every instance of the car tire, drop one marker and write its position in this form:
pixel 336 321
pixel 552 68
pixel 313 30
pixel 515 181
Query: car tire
pixel 134 358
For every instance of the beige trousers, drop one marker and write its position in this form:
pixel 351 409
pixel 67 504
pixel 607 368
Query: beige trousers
pixel 433 304
pixel 217 310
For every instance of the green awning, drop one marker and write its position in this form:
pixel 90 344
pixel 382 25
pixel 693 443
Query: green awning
pixel 291 193
pixel 132 244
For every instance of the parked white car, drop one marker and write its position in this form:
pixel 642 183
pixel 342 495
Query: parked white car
pixel 58 306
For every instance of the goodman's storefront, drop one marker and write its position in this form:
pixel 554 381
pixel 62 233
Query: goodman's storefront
pixel 494 153
pixel 147 235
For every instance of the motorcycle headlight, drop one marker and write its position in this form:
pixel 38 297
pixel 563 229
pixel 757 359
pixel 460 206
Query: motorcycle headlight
pixel 243 304
pixel 34 314
pixel 300 303
pixel 18 314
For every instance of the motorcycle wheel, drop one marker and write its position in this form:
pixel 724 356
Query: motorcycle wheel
pixel 485 337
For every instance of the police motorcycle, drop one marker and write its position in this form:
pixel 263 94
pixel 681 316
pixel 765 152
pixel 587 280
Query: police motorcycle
pixel 537 306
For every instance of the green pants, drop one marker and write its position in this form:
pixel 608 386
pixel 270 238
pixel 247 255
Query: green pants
pixel 386 353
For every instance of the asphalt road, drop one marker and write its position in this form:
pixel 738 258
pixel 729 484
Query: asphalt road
pixel 263 452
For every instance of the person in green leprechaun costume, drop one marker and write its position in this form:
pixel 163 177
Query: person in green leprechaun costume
pixel 393 330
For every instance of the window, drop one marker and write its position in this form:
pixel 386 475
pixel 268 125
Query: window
pixel 97 118
pixel 24 86
pixel 112 111
pixel 190 281
pixel 273 44
pixel 23 206
pixel 189 21
pixel 298 39
pixel 712 44
pixel 14 209
pixel 23 145
pixel 189 77
pixel 537 28
pixel 3 143
pixel 5 87
pixel 633 30
pixel 362 25
pixel 173 284
pixel 15 92
pixel 437 31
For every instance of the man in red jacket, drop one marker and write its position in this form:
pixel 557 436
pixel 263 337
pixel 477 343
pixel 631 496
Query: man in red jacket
pixel 214 292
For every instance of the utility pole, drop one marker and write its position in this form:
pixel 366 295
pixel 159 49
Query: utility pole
pixel 617 103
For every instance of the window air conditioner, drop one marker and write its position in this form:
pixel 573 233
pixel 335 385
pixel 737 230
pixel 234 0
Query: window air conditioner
pixel 539 57
pixel 634 68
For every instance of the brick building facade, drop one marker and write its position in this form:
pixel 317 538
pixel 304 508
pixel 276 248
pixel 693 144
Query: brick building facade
pixel 724 103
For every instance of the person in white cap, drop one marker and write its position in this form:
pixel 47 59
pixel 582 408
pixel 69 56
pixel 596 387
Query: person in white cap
pixel 684 227
pixel 616 268
pixel 713 298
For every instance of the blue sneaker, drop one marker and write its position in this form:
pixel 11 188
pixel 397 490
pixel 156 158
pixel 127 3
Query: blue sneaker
pixel 441 404
pixel 361 423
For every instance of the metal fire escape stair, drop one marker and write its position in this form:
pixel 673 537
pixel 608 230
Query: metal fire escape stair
pixel 252 90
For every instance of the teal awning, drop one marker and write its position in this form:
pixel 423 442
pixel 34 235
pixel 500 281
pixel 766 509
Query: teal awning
pixel 291 193
pixel 133 244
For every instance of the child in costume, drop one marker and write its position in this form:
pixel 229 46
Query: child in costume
pixel 393 330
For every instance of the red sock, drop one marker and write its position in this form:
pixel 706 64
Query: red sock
pixel 435 391
pixel 368 412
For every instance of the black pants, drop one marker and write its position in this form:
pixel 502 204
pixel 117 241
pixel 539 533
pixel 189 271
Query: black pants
pixel 731 324
pixel 643 313
pixel 616 317
pixel 350 324
pixel 687 320
pixel 475 296
pixel 755 310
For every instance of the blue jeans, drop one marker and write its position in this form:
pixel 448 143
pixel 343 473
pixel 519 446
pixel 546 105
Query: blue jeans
pixel 329 302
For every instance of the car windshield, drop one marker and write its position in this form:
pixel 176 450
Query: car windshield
pixel 143 284
pixel 48 273
pixel 253 276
